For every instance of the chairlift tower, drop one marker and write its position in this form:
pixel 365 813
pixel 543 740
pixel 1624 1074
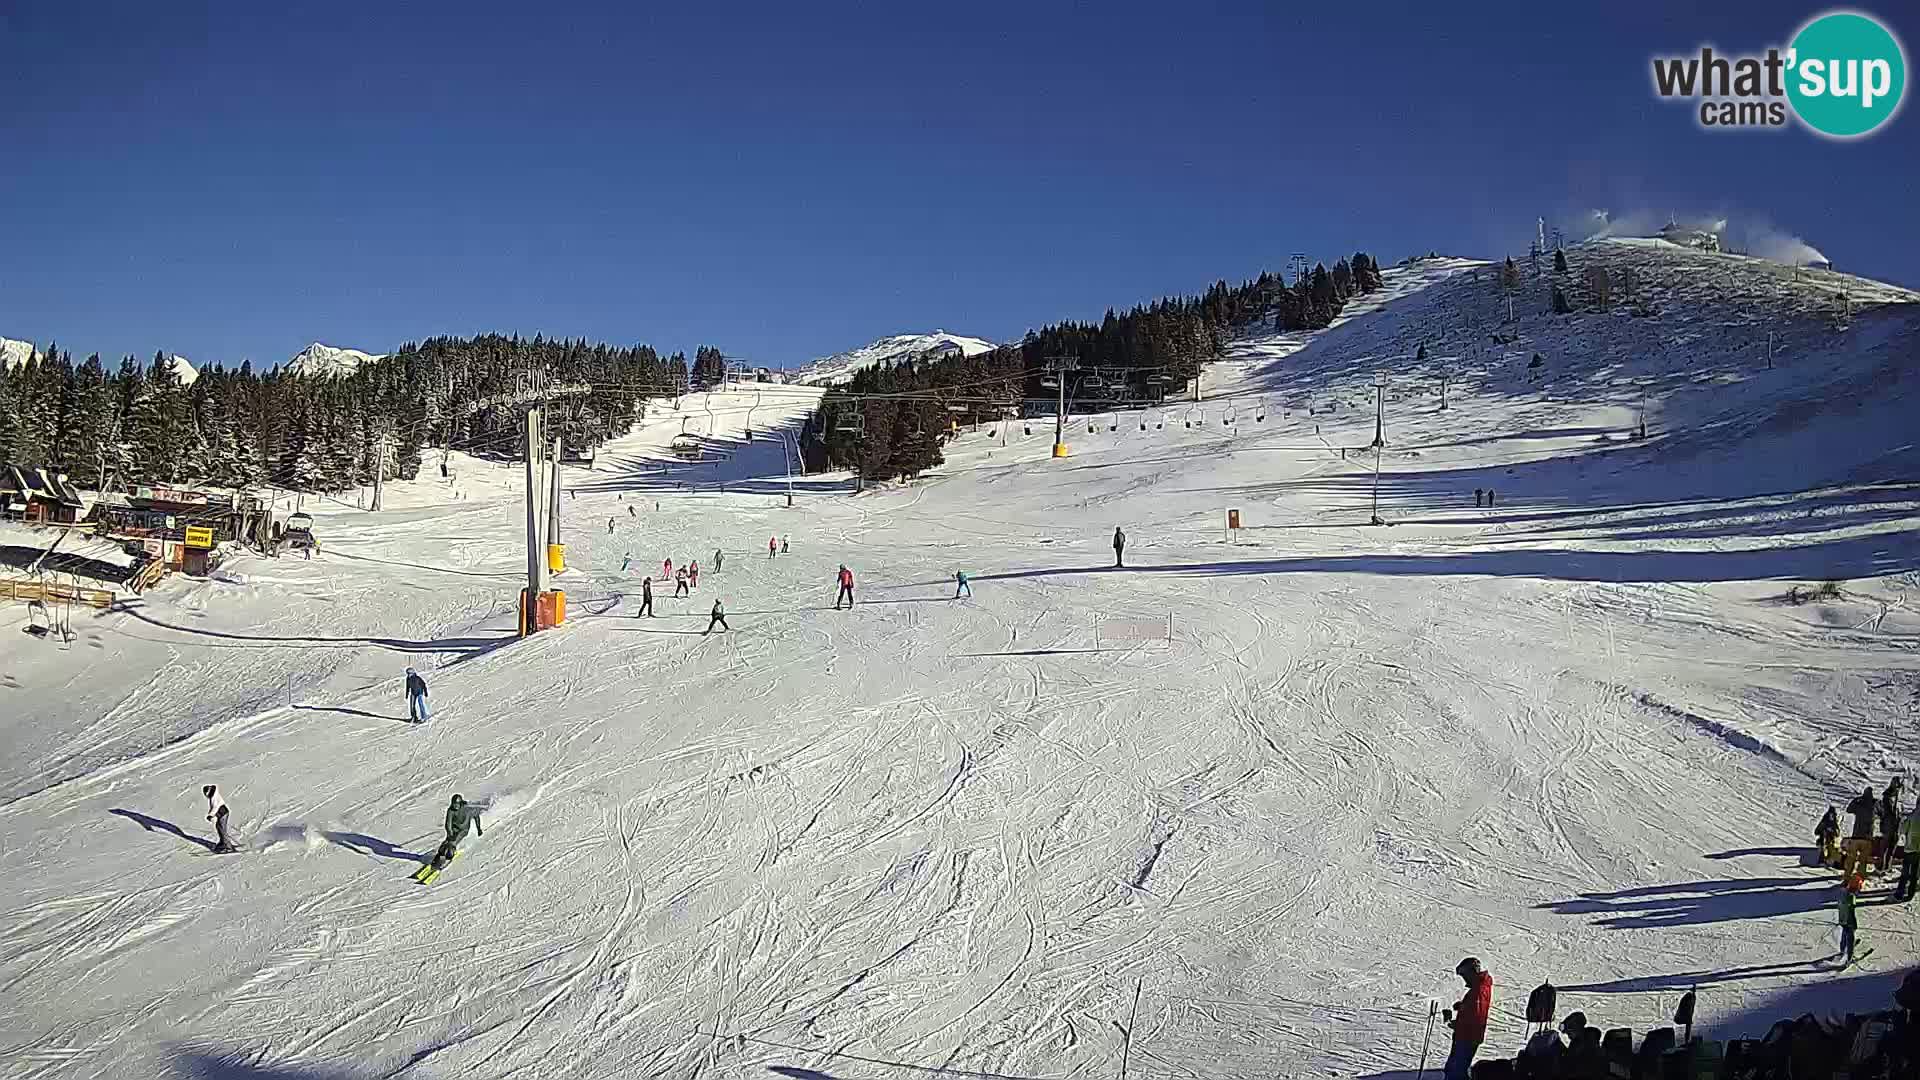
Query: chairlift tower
pixel 1379 410
pixel 1060 366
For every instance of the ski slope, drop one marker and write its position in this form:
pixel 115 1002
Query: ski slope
pixel 1235 809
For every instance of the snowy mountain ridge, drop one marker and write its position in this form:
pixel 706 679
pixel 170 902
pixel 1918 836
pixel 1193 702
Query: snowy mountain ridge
pixel 16 352
pixel 840 367
pixel 320 360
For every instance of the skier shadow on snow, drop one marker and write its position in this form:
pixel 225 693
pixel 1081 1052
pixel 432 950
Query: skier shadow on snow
pixel 1687 980
pixel 1860 557
pixel 1696 903
pixel 467 647
pixel 154 824
pixel 204 1065
pixel 351 712
pixel 1795 853
pixel 358 843
pixel 371 845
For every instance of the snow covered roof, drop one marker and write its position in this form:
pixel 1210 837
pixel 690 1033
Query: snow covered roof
pixel 38 482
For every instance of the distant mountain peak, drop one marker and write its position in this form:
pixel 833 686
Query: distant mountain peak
pixel 320 360
pixel 14 353
pixel 840 367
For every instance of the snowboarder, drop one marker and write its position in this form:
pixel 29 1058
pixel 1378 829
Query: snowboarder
pixel 719 619
pixel 693 574
pixel 460 817
pixel 773 548
pixel 716 560
pixel 961 587
pixel 846 588
pixel 1119 545
pixel 217 813
pixel 680 583
pixel 1468 1018
pixel 646 598
pixel 416 689
pixel 1826 838
pixel 1849 919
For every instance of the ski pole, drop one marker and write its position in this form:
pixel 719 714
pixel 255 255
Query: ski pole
pixel 1433 1009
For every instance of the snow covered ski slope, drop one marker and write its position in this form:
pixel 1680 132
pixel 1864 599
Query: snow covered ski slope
pixel 1274 784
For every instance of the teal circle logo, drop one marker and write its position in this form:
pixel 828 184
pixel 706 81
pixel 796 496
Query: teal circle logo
pixel 1847 74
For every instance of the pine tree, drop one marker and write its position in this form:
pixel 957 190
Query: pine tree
pixel 1559 261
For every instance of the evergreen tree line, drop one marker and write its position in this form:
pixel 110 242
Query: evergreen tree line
pixel 139 424
pixel 890 420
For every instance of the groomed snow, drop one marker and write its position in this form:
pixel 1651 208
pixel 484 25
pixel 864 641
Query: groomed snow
pixel 1276 785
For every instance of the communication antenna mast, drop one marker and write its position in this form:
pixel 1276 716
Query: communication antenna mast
pixel 1299 264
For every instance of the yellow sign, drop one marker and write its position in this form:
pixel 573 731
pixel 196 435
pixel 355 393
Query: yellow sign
pixel 199 536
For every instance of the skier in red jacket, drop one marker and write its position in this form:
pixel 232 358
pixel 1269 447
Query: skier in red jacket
pixel 1469 1018
pixel 846 588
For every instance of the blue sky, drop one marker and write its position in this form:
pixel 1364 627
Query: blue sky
pixel 789 180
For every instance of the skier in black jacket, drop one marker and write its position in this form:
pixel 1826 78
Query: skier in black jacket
pixel 416 697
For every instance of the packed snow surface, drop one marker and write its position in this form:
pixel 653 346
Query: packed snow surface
pixel 840 367
pixel 1235 809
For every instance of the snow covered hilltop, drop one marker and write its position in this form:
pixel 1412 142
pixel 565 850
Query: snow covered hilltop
pixel 840 367
pixel 327 362
pixel 1642 604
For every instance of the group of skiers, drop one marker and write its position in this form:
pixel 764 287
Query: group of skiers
pixel 1883 830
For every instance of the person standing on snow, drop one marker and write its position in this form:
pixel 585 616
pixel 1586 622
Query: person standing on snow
pixel 1909 857
pixel 693 573
pixel 1849 919
pixel 1826 837
pixel 646 598
pixel 460 817
pixel 719 619
pixel 846 588
pixel 716 560
pixel 416 697
pixel 1119 546
pixel 783 545
pixel 626 562
pixel 960 586
pixel 1890 816
pixel 609 526
pixel 680 583
pixel 631 513
pixel 217 813
pixel 773 547
pixel 1859 846
pixel 666 569
pixel 1468 1018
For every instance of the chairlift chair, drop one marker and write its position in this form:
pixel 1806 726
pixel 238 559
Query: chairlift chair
pixel 39 622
